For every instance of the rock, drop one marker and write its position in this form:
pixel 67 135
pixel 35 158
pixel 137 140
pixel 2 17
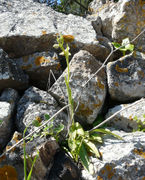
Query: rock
pixel 12 162
pixel 47 150
pixel 38 67
pixel 122 19
pixel 120 159
pixel 34 105
pixel 11 76
pixel 129 119
pixel 63 168
pixel 34 26
pixel 8 102
pixel 126 77
pixel 82 66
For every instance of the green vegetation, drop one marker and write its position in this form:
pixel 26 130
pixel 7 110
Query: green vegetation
pixel 141 125
pixel 80 143
pixel 25 162
pixel 124 46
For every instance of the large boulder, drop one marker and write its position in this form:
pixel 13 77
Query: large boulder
pixel 11 75
pixel 39 67
pixel 34 105
pixel 91 98
pixel 121 159
pixel 8 101
pixel 126 77
pixel 122 19
pixel 33 27
pixel 129 119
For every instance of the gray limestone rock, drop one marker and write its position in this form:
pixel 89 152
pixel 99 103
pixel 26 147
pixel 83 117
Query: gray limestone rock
pixel 123 160
pixel 130 119
pixel 122 19
pixel 34 105
pixel 28 27
pixel 82 66
pixel 8 102
pixel 39 67
pixel 126 77
pixel 11 75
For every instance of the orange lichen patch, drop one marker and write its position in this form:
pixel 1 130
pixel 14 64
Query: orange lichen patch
pixel 38 119
pixel 139 152
pixel 143 178
pixel 83 110
pixel 102 171
pixel 99 178
pixel 25 58
pixel 141 73
pixel 8 172
pixel 121 70
pixel 97 105
pixel 43 32
pixel 41 59
pixel 2 158
pixel 110 175
pixel 141 2
pixel 58 66
pixel 29 66
pixel 12 150
pixel 73 46
pixel 116 84
pixel 108 167
pixel 68 38
pixel 100 85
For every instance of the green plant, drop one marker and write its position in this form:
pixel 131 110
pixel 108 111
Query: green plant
pixel 25 161
pixel 80 143
pixel 141 125
pixel 124 46
pixel 1 122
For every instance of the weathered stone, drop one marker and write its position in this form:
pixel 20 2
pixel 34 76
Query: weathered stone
pixel 33 28
pixel 11 76
pixel 63 168
pixel 129 119
pixel 12 160
pixel 47 150
pixel 126 77
pixel 120 159
pixel 8 102
pixel 122 19
pixel 38 66
pixel 33 106
pixel 82 66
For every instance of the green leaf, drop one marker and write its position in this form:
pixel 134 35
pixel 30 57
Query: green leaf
pixel 79 129
pixel 96 137
pixel 93 148
pixel 104 131
pixel 116 45
pixel 1 121
pixel 130 47
pixel 144 115
pixel 58 129
pixel 47 117
pixel 84 156
pixel 36 123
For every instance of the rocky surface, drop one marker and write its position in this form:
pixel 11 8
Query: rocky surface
pixel 121 159
pixel 130 119
pixel 18 38
pixel 8 101
pixel 39 67
pixel 34 105
pixel 28 32
pixel 11 76
pixel 82 66
pixel 126 77
pixel 122 19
